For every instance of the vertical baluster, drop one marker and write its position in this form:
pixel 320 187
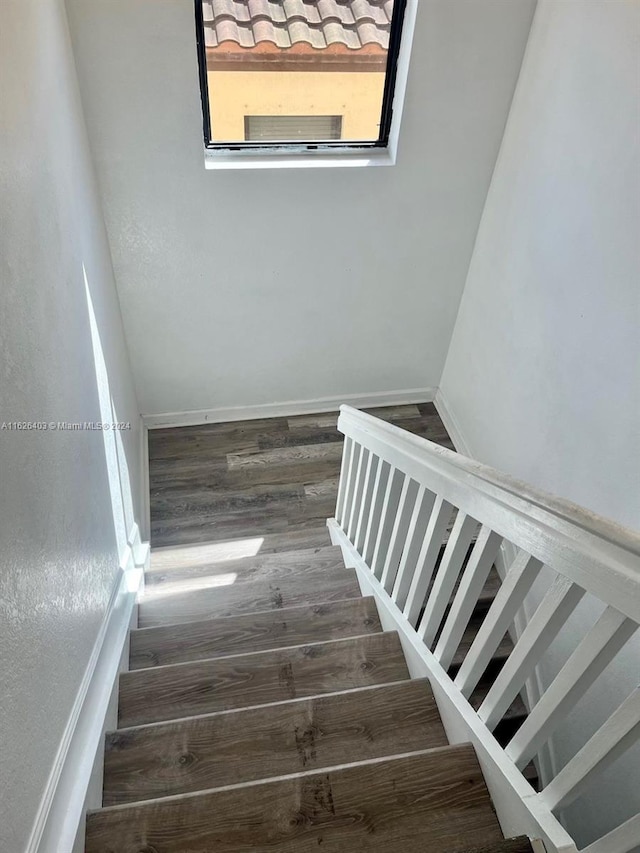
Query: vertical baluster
pixel 464 529
pixel 344 472
pixel 596 650
pixel 553 611
pixel 398 538
pixel 415 538
pixel 367 497
pixel 356 504
pixel 511 594
pixel 379 491
pixel 351 483
pixel 473 579
pixel 612 739
pixel 436 529
pixel 387 520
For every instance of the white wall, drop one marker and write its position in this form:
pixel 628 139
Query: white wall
pixel 242 288
pixel 543 372
pixel 64 512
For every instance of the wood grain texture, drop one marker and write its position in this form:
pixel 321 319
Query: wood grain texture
pixel 517 712
pixel 253 632
pixel 434 800
pixel 266 711
pixel 200 553
pixel 501 654
pixel 209 602
pixel 508 845
pixel 225 481
pixel 275 740
pixel 202 687
pixel 256 568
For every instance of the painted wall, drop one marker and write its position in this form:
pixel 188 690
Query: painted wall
pixel 241 288
pixel 357 97
pixel 66 502
pixel 543 372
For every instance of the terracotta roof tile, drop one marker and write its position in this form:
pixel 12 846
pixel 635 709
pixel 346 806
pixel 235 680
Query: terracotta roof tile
pixel 284 23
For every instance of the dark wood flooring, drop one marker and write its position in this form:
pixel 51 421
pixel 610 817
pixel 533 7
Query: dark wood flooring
pixel 435 799
pixel 266 709
pixel 270 740
pixel 256 489
pixel 253 632
pixel 242 479
pixel 236 681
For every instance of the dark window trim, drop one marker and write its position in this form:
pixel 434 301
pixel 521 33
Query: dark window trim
pixel 397 22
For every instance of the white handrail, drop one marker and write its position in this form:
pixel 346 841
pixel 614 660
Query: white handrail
pixel 398 495
pixel 562 509
pixel 598 554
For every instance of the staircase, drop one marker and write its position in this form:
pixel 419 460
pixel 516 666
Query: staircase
pixel 266 709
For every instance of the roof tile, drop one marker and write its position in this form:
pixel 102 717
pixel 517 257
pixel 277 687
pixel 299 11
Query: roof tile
pixel 285 23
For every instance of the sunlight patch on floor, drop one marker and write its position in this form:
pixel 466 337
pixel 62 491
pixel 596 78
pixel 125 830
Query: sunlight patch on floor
pixel 165 590
pixel 188 556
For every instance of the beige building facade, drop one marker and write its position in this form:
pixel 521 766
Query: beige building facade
pixel 236 95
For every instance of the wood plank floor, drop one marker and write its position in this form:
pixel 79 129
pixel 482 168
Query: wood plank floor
pixel 273 476
pixel 265 708
pixel 233 494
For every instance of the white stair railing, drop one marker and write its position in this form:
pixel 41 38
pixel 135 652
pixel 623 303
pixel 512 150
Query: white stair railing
pixel 397 498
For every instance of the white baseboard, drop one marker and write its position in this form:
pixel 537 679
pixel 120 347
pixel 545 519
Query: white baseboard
pixel 289 408
pixel 451 424
pixel 62 806
pixel 139 549
pixel 145 509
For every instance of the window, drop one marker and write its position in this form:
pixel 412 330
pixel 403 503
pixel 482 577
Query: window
pixel 297 73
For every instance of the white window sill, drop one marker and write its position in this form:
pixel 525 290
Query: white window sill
pixel 333 158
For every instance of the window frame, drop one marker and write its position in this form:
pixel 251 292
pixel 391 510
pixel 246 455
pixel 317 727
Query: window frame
pixel 259 154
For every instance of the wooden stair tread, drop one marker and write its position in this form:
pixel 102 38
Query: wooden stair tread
pixel 259 567
pixel 485 599
pixel 489 590
pixel 222 749
pixel 316 584
pixel 253 632
pixel 213 550
pixel 517 709
pixel 437 798
pixel 202 687
pixel 501 654
pixel 507 845
pixel 266 710
pixel 530 773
